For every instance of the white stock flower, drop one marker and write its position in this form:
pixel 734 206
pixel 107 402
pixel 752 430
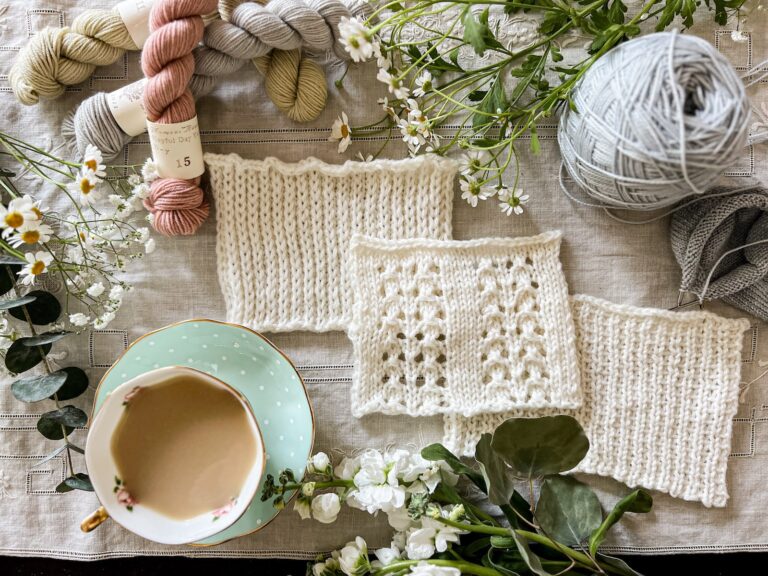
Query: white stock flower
pixel 319 463
pixel 511 201
pixel 353 560
pixel 95 290
pixel 347 468
pixel 340 131
pixel 472 191
pixel 423 84
pixel 385 556
pixel 427 569
pixel 94 161
pixel 326 507
pixel 37 263
pixel 422 542
pixel 355 38
pixel 79 319
pixel 378 487
pixel 328 567
pixel 302 505
pixel 399 519
pixel 84 187
pixel 430 473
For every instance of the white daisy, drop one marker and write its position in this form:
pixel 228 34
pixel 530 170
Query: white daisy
pixel 394 84
pixel 472 191
pixel 85 187
pixel 18 212
pixel 94 161
pixel 473 161
pixel 411 134
pixel 382 59
pixel 37 263
pixel 511 201
pixel 340 131
pixel 423 84
pixel 32 232
pixel 355 38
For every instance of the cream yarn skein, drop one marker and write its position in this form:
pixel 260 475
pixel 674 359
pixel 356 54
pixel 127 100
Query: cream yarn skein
pixel 657 119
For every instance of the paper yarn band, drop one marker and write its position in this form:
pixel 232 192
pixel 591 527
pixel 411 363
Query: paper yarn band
pixel 176 149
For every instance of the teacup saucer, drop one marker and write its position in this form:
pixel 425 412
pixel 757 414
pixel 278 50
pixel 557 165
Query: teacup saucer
pixel 252 365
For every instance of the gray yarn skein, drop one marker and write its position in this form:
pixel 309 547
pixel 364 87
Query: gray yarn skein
pixel 657 119
pixel 721 244
pixel 254 31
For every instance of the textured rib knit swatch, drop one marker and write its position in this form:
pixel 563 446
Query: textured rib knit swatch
pixel 461 327
pixel 283 230
pixel 660 391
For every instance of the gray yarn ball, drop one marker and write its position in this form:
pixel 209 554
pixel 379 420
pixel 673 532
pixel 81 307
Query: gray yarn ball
pixel 703 231
pixel 658 118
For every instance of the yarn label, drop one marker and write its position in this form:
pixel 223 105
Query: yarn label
pixel 135 16
pixel 127 107
pixel 176 149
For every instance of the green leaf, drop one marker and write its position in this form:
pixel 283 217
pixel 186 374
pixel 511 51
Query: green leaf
pixel 76 384
pixel 531 559
pixel 16 302
pixel 51 456
pixel 64 487
pixel 618 565
pixel 477 33
pixel 38 388
pixel 51 429
pixel 44 310
pixel 495 100
pixel 435 452
pixel 45 338
pixel 503 562
pixel 536 447
pixel 552 22
pixel 568 510
pixel 6 285
pixel 616 12
pixel 516 508
pixel 535 144
pixel 69 416
pixel 498 480
pixel 79 481
pixel 638 501
pixel 20 357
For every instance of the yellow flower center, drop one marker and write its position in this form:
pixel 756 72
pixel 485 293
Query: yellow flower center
pixel 37 212
pixel 86 186
pixel 344 131
pixel 31 236
pixel 37 267
pixel 14 219
pixel 91 164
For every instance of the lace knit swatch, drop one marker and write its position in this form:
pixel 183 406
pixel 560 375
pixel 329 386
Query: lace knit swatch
pixel 660 391
pixel 283 230
pixel 461 327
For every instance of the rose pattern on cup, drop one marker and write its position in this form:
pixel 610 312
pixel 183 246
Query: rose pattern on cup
pixel 129 396
pixel 224 510
pixel 123 496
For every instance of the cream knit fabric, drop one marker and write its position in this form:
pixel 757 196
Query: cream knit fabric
pixel 283 230
pixel 461 327
pixel 660 391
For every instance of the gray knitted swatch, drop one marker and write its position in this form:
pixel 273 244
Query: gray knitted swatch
pixel 704 230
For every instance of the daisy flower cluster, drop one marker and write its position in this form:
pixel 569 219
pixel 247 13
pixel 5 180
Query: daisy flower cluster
pixel 98 227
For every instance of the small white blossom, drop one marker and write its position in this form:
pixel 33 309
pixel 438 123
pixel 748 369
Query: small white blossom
pixel 149 246
pixel 473 161
pixel 399 519
pixel 472 191
pixel 96 290
pixel 141 191
pixel 411 134
pixel 353 560
pixel 85 187
pixel 116 293
pixel 320 463
pixel 94 161
pixel 326 507
pixel 511 201
pixel 422 542
pixel 427 569
pixel 739 36
pixel 394 84
pixel 329 567
pixel 355 38
pixel 37 263
pixel 134 180
pixel 303 506
pixel 423 84
pixel 79 319
pixel 382 59
pixel 386 556
pixel 340 131
pixel 149 171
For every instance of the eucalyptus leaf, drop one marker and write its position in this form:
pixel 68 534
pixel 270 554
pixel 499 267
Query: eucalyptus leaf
pixel 76 384
pixel 568 510
pixel 16 302
pixel 45 338
pixel 38 388
pixel 44 310
pixel 435 452
pixel 6 283
pixel 51 456
pixel 530 558
pixel 79 481
pixel 64 487
pixel 518 510
pixel 504 562
pixel 618 566
pixel 70 416
pixel 20 357
pixel 50 429
pixel 638 501
pixel 536 447
pixel 76 448
pixel 498 480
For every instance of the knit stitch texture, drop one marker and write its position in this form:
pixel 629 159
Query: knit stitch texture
pixel 461 327
pixel 660 392
pixel 283 230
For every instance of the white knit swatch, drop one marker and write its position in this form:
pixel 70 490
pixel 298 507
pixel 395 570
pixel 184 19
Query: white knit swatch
pixel 283 230
pixel 660 391
pixel 461 327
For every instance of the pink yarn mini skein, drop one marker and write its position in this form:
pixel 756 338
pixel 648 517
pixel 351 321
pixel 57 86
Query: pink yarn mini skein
pixel 179 206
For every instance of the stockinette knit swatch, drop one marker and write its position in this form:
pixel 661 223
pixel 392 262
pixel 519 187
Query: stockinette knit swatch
pixel 660 391
pixel 283 230
pixel 461 327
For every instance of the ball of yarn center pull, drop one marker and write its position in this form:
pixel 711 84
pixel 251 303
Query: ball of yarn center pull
pixel 656 119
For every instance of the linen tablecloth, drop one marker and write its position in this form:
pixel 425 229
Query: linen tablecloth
pixel 601 257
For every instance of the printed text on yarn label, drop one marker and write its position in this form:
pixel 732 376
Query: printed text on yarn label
pixel 127 108
pixel 135 16
pixel 176 149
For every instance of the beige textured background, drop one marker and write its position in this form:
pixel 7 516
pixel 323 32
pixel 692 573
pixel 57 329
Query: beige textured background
pixel 601 257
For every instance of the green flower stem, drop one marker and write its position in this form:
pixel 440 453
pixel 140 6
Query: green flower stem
pixel 464 567
pixel 321 485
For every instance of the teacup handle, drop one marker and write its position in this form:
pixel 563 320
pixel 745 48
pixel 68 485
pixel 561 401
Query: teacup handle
pixel 94 519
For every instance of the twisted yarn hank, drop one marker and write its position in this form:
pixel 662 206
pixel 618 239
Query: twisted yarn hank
pixel 178 206
pixel 658 118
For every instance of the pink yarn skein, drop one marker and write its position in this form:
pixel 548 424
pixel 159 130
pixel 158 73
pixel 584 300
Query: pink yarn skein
pixel 179 206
